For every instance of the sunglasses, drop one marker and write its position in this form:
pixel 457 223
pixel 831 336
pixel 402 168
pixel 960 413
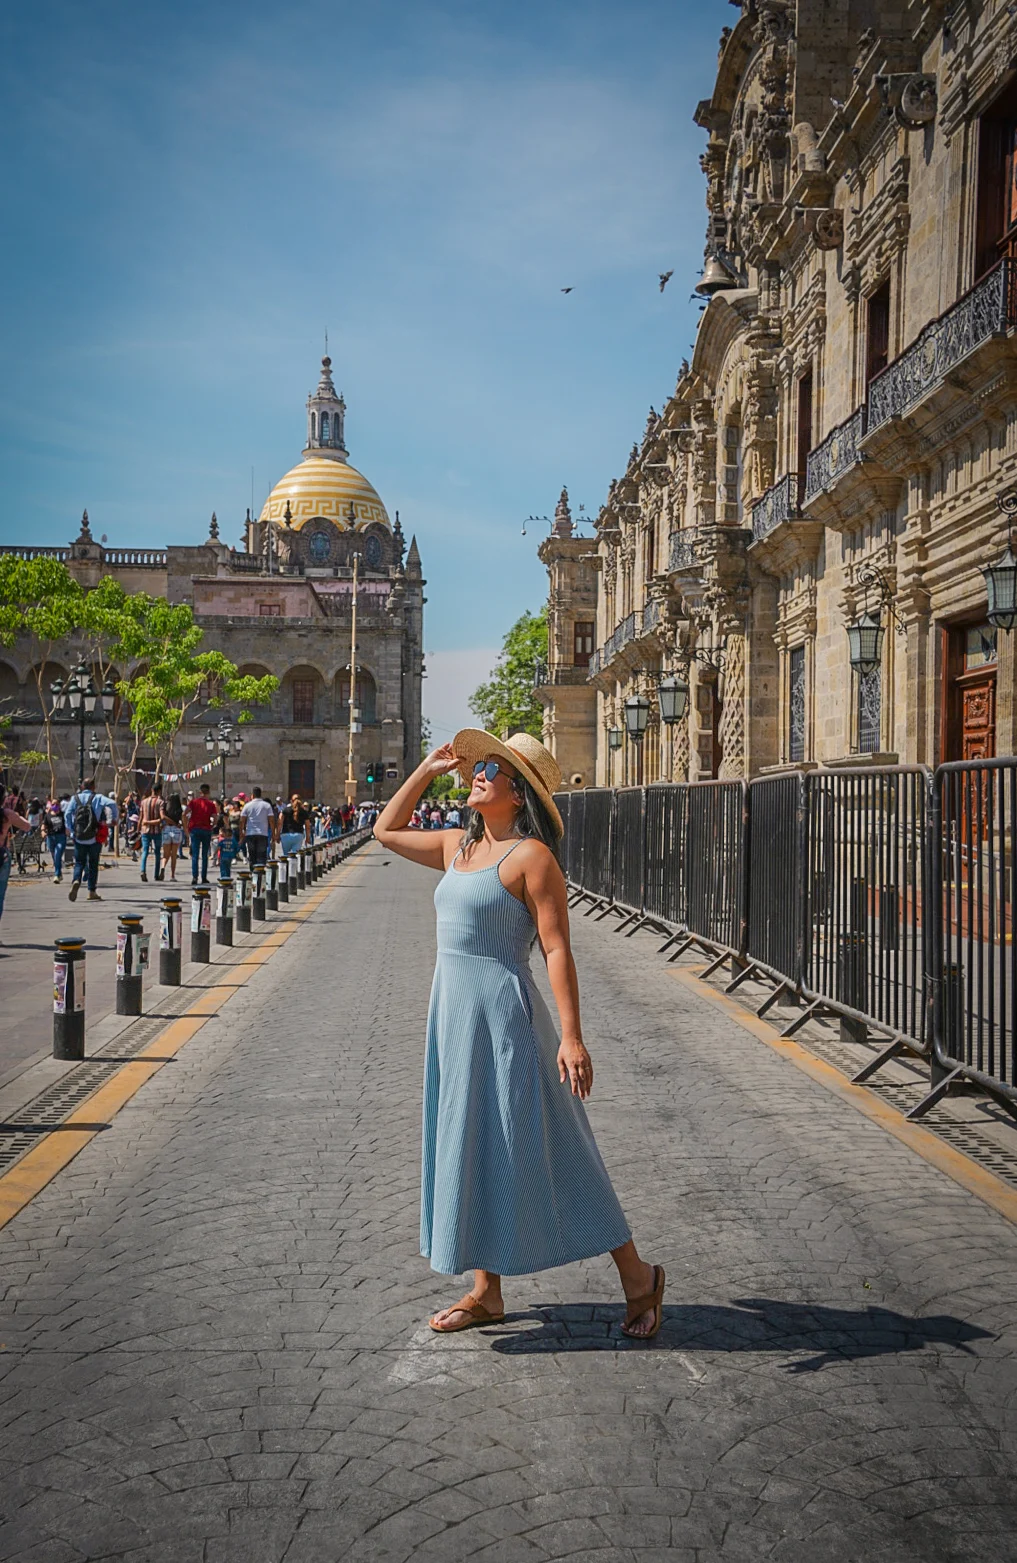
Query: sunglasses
pixel 490 769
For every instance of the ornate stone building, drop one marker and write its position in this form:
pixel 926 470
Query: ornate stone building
pixel 283 605
pixel 833 454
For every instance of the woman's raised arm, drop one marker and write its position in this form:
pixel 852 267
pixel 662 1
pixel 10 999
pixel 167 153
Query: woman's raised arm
pixel 429 847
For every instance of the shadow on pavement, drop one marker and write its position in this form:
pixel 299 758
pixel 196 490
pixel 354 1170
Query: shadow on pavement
pixel 747 1324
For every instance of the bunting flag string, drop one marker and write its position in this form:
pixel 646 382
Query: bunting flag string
pixel 201 770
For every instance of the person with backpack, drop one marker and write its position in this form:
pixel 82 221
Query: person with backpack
pixel 56 834
pixel 84 812
pixel 11 819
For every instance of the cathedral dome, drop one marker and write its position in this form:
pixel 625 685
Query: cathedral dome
pixel 322 486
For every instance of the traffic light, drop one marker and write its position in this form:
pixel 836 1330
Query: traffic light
pixel 372 773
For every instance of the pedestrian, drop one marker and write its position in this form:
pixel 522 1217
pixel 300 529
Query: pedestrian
pixel 11 819
pixel 201 815
pixel 56 834
pixel 132 824
pixel 84 812
pixel 153 814
pixel 257 821
pixel 511 1180
pixel 292 826
pixel 172 834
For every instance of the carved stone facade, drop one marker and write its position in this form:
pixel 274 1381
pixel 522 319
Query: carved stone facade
pixel 282 605
pixel 851 405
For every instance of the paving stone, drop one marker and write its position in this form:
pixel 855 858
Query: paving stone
pixel 214 1320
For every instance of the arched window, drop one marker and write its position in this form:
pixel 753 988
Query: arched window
pixel 324 428
pixel 313 425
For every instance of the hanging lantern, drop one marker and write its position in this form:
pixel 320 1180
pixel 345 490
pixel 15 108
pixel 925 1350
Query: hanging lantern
pixel 865 643
pixel 614 737
pixel 673 695
pixel 637 714
pixel 1001 587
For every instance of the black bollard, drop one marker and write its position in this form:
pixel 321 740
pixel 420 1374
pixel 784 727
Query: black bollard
pixel 132 958
pixel 258 896
pixel 169 943
pixel 293 877
pixel 317 860
pixel 284 879
pixel 69 998
pixel 272 885
pixel 201 924
pixel 242 910
pixel 224 912
pixel 301 858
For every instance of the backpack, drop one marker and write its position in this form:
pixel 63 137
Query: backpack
pixel 85 823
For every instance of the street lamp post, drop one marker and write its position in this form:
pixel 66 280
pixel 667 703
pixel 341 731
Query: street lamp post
pixel 77 698
pixel 227 742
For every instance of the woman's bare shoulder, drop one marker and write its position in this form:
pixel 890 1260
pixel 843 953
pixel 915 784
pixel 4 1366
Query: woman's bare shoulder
pixel 534 856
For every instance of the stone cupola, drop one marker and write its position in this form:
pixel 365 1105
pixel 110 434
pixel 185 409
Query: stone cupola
pixel 326 415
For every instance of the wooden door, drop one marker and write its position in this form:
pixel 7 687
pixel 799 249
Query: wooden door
pixel 301 778
pixel 977 699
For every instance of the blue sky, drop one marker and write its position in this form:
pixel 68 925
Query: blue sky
pixel 193 194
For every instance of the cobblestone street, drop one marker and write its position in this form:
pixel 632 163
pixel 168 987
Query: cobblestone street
pixel 214 1321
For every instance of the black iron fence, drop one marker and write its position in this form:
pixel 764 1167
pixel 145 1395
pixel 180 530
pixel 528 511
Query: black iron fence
pixel 882 895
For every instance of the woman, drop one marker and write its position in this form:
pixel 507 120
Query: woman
pixel 172 834
pixel 512 1180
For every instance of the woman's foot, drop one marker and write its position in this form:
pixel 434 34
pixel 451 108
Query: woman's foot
pixel 475 1308
pixel 649 1291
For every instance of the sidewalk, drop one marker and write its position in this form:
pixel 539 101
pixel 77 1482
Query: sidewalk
pixel 36 912
pixel 214 1320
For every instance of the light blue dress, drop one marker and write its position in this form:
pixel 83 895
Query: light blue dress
pixel 511 1178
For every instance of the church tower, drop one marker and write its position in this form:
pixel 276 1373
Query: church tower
pixel 326 415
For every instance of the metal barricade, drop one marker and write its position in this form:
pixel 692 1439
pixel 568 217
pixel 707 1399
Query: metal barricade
pixel 867 913
pixel 628 849
pixel 776 910
pixel 716 865
pixel 598 875
pixel 666 821
pixel 975 960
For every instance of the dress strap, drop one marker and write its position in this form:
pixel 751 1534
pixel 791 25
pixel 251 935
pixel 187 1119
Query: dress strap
pixel 509 853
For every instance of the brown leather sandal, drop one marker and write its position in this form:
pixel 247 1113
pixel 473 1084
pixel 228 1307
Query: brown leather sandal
pixel 476 1314
pixel 639 1305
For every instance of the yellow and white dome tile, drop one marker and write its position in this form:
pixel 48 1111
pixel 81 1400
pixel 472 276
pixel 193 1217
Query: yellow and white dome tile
pixel 322 486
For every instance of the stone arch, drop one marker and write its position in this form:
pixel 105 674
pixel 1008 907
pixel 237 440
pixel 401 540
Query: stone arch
pixel 366 694
pixel 11 694
pixel 303 700
pixel 52 672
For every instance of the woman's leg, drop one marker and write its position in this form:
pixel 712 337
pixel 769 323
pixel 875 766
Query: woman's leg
pixel 637 1278
pixel 486 1290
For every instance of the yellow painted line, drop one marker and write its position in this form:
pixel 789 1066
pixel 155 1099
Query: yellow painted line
pixel 58 1148
pixel 976 1179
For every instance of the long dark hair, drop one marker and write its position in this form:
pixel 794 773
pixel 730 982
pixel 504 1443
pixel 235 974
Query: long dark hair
pixel 533 818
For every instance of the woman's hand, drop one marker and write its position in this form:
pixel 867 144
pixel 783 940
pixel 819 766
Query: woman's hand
pixel 576 1066
pixel 440 761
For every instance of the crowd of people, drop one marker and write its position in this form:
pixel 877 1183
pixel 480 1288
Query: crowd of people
pixel 160 830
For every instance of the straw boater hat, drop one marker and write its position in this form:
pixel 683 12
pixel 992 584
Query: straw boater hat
pixel 523 752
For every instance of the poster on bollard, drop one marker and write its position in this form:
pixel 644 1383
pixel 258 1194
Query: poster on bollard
pixel 59 987
pixel 122 938
pixel 169 930
pixel 142 941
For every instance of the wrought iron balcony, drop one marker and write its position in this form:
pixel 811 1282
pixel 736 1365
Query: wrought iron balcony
pixel 653 612
pixel 835 454
pixel 682 554
pixel 544 675
pixel 780 503
pixel 989 309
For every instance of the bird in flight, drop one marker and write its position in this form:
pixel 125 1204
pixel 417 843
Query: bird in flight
pixel 566 290
pixel 665 278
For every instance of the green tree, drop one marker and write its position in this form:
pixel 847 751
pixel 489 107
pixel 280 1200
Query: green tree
pixel 505 703
pixel 171 675
pixel 39 597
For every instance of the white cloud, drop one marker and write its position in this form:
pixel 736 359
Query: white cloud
pixel 452 676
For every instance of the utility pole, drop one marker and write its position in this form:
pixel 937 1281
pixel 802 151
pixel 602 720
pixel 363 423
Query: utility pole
pixel 351 777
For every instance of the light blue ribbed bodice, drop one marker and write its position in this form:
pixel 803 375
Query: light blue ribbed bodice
pixel 478 916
